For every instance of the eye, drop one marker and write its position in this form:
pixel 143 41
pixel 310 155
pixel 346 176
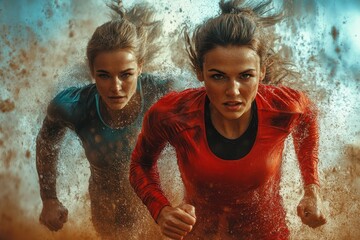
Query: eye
pixel 126 75
pixel 103 76
pixel 246 76
pixel 217 76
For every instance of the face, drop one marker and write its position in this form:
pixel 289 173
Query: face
pixel 231 76
pixel 115 74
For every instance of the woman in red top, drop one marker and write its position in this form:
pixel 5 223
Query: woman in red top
pixel 229 137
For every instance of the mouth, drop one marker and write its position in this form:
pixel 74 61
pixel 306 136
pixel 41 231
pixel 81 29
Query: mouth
pixel 117 98
pixel 232 105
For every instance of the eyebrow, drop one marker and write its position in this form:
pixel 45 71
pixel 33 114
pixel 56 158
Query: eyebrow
pixel 104 71
pixel 101 71
pixel 216 70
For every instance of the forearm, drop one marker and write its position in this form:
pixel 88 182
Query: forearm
pixel 146 184
pixel 144 176
pixel 47 149
pixel 306 142
pixel 312 190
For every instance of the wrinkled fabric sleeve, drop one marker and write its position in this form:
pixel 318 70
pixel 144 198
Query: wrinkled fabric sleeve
pixel 65 108
pixel 144 175
pixel 60 114
pixel 306 141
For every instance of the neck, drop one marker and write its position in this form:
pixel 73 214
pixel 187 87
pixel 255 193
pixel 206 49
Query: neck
pixel 230 129
pixel 122 117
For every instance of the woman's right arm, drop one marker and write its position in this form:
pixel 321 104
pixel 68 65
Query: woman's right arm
pixel 174 222
pixel 47 149
pixel 64 111
pixel 53 214
pixel 144 176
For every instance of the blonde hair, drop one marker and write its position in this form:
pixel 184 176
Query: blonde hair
pixel 134 29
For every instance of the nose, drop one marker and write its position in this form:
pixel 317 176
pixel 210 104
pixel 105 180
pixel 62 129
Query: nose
pixel 117 84
pixel 233 88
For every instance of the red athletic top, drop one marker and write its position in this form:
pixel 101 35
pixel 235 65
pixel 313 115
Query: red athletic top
pixel 240 197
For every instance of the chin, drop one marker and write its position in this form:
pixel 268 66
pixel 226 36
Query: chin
pixel 117 107
pixel 232 116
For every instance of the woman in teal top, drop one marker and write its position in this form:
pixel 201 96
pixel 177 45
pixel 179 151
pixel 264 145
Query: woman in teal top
pixel 107 117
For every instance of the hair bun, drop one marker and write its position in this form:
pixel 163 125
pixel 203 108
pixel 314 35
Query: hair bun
pixel 227 7
pixel 118 7
pixel 233 7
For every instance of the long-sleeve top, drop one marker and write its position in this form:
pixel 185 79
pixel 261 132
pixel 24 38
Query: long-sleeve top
pixel 244 192
pixel 107 149
pixel 114 204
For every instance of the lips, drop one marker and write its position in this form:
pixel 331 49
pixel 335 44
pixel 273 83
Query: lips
pixel 233 105
pixel 117 98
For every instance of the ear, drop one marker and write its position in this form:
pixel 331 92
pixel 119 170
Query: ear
pixel 262 73
pixel 92 74
pixel 200 75
pixel 140 67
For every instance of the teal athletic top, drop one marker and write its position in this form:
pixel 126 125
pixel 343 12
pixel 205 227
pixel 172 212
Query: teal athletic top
pixel 108 150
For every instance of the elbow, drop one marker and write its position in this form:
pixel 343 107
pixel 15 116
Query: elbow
pixel 39 138
pixel 39 141
pixel 132 172
pixel 137 171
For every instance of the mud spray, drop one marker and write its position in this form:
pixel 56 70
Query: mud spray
pixel 42 51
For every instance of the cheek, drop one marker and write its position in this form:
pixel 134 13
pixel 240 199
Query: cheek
pixel 131 87
pixel 214 90
pixel 253 91
pixel 100 86
pixel 251 88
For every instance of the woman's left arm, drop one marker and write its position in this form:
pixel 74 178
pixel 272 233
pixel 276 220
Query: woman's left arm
pixel 306 143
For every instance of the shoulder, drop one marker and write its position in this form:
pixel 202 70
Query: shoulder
pixel 71 103
pixel 278 92
pixel 177 100
pixel 282 98
pixel 150 79
pixel 75 94
pixel 154 81
pixel 153 87
pixel 175 112
pixel 182 102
